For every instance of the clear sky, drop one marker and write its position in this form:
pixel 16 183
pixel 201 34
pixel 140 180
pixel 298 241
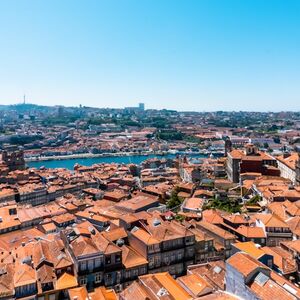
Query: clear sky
pixel 198 55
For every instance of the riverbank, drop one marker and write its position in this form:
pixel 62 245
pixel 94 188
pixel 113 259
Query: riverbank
pixel 85 155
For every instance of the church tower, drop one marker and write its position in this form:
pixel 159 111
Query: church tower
pixel 228 146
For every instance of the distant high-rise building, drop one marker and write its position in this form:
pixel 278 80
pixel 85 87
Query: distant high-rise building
pixel 135 109
pixel 142 106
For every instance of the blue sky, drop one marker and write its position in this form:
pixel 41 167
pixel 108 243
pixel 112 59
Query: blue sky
pixel 198 55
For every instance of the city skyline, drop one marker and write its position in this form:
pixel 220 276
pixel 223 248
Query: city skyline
pixel 136 106
pixel 200 56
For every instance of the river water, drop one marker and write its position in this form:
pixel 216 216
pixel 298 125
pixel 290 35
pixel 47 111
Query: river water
pixel 134 159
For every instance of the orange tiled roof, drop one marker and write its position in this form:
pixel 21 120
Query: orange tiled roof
pixel 101 293
pixel 251 232
pixel 250 248
pixel 270 290
pixel 195 284
pixel 131 258
pixel 213 272
pixel 244 263
pixel 156 281
pixel 66 281
pixel 290 161
pixel 79 293
pixel 282 259
pixel 270 220
pixel 24 275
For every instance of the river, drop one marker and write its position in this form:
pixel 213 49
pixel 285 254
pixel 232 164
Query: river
pixel 126 159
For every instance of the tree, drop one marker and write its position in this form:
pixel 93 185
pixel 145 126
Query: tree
pixel 225 204
pixel 174 200
pixel 254 200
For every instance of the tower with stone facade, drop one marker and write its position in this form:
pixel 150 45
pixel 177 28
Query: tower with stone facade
pixel 228 146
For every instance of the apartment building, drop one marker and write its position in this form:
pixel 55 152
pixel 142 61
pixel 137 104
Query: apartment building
pixel 206 248
pixel 96 259
pixel 223 238
pixel 287 165
pixel 168 246
pixel 248 278
pixel 276 229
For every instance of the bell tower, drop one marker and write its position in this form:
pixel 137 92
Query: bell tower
pixel 228 146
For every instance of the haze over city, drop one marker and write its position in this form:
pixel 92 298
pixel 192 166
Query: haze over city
pixel 195 55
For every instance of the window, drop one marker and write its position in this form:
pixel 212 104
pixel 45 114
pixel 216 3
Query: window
pixel 157 260
pixel 82 266
pixel 189 240
pixel 190 252
pixel 179 268
pixel 173 257
pixel 108 278
pixel 118 258
pixel 97 262
pixel 172 270
pixel 91 265
pixel 127 274
pixel 108 260
pixel 167 260
pixel 98 277
pixel 151 261
pixel 270 263
pixel 82 281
